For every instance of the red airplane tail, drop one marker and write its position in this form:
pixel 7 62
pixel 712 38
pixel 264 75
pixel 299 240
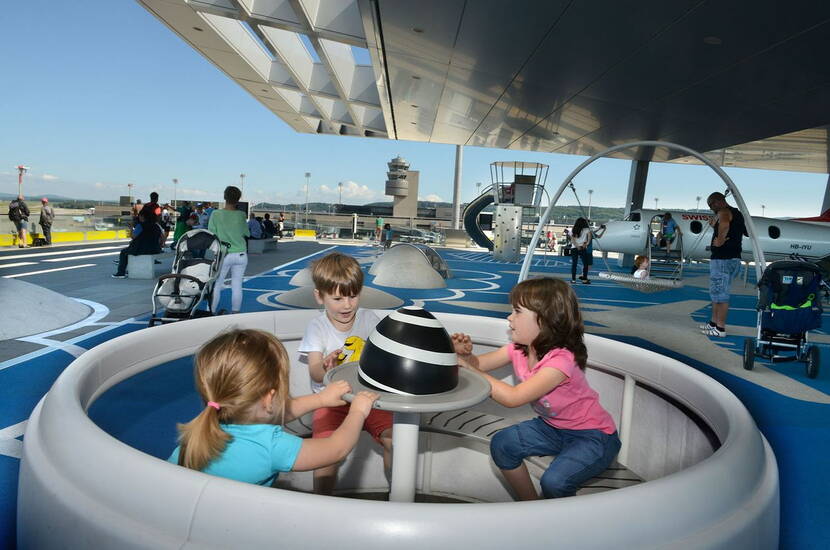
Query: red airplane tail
pixel 825 217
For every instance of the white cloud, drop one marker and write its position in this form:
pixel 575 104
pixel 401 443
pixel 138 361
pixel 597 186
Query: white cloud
pixel 351 190
pixel 431 198
pixel 49 177
pixel 117 186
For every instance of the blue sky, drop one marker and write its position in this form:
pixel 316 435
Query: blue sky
pixel 100 94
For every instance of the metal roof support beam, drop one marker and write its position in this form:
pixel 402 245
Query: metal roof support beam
pixel 634 196
pixel 456 190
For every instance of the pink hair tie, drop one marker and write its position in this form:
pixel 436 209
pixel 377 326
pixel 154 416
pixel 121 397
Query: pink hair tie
pixel 214 404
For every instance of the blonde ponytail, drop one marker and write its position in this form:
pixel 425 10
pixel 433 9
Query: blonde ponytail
pixel 233 372
pixel 201 440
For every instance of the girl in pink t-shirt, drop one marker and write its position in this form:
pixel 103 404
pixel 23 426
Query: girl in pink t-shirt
pixel 548 356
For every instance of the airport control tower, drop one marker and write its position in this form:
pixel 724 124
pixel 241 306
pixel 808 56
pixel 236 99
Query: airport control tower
pixel 402 185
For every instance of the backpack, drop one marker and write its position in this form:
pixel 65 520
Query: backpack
pixel 15 214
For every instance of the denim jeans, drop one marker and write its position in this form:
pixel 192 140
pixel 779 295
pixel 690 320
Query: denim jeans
pixel 721 274
pixel 587 261
pixel 580 454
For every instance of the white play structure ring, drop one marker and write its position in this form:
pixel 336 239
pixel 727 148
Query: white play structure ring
pixel 81 488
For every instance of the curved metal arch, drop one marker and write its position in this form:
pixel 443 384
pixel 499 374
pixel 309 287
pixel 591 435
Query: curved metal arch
pixel 760 262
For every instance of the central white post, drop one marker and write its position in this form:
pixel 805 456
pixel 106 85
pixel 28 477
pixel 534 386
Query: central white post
pixel 405 450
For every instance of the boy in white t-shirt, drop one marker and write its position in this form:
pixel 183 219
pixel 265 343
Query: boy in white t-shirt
pixel 337 336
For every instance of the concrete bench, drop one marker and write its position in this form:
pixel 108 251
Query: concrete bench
pixel 478 427
pixel 142 267
pixel 259 246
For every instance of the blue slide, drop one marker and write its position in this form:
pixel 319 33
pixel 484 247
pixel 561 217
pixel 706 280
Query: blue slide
pixel 471 220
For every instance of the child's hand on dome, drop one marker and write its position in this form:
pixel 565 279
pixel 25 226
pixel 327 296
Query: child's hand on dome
pixel 363 401
pixel 332 395
pixel 462 344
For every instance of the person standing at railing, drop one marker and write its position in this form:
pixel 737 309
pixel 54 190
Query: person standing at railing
pixel 378 228
pixel 280 224
pixel 47 216
pixel 19 215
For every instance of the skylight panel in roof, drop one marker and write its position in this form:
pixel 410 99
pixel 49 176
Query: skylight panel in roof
pixel 361 56
pixel 310 48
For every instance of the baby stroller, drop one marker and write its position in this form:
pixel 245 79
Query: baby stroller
pixel 195 268
pixel 789 305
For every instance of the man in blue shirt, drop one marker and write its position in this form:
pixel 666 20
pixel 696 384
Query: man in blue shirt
pixel 669 231
pixel 254 226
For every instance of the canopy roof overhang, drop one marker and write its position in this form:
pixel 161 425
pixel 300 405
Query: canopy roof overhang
pixel 745 81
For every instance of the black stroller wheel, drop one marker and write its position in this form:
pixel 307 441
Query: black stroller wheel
pixel 749 353
pixel 813 361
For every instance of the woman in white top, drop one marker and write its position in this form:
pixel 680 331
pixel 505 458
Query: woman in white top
pixel 581 241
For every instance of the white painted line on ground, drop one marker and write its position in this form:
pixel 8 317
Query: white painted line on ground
pixel 71 349
pixel 9 444
pixel 12 448
pixel 17 264
pixel 99 311
pixel 55 246
pixel 13 431
pixel 131 321
pixel 47 271
pixel 263 274
pixel 62 252
pixel 283 266
pixel 37 353
pixel 85 256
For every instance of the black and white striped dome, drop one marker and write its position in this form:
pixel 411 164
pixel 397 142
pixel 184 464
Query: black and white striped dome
pixel 409 353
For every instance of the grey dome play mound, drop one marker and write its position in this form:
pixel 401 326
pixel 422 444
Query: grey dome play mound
pixel 30 309
pixel 409 266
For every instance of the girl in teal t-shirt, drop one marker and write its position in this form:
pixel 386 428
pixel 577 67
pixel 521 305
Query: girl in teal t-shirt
pixel 242 375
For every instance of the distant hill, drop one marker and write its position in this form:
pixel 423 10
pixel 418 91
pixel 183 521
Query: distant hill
pixel 421 204
pixel 30 197
pixel 561 214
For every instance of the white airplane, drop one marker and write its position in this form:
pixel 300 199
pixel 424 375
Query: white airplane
pixel 778 238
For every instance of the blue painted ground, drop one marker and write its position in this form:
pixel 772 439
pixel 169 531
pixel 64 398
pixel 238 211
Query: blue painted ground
pixel 798 431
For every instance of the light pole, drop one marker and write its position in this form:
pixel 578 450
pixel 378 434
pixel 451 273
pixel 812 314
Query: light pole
pixel 762 210
pixel 20 171
pixel 241 184
pixel 340 187
pixel 656 200
pixel 590 194
pixel 130 192
pixel 478 188
pixel 175 183
pixel 697 207
pixel 307 180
